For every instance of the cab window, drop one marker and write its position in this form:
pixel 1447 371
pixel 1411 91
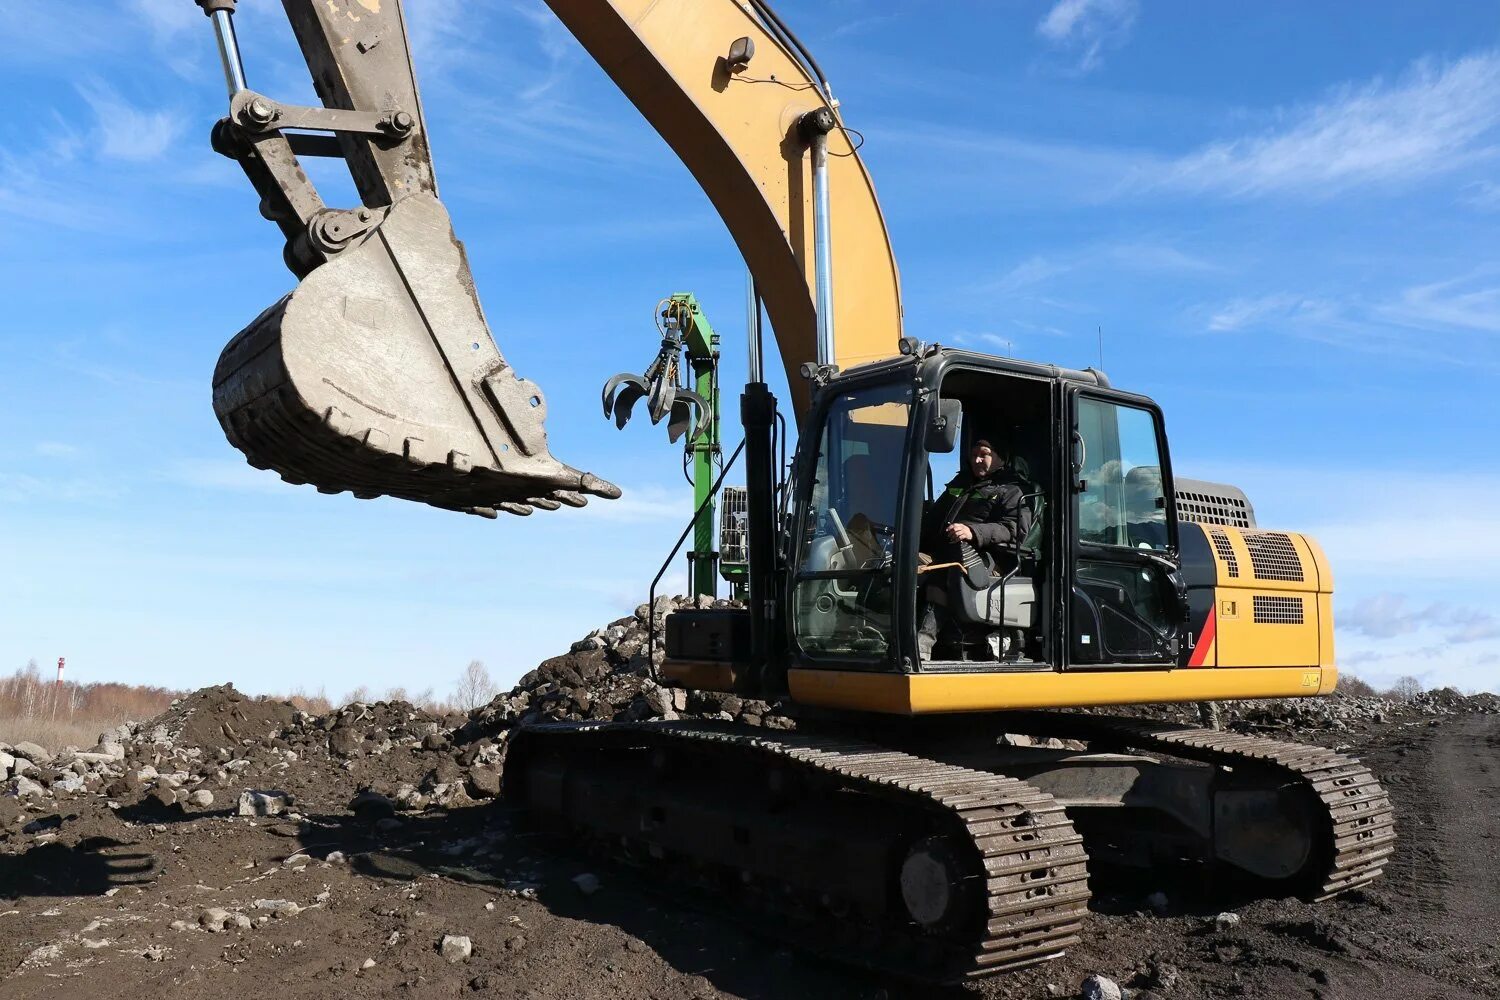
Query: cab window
pixel 1120 500
pixel 842 602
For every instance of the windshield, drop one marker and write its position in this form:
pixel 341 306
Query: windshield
pixel 842 601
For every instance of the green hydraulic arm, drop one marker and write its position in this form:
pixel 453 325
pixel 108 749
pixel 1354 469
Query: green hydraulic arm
pixel 689 352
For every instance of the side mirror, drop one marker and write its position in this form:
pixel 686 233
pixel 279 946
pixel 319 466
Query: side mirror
pixel 942 433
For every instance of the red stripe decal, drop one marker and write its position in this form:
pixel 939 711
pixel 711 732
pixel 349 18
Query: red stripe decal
pixel 1205 638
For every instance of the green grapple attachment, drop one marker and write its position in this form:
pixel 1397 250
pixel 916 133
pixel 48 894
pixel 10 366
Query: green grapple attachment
pixel 378 374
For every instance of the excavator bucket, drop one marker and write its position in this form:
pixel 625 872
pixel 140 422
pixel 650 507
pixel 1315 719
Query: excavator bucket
pixel 378 375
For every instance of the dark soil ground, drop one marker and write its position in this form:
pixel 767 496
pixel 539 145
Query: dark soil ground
pixel 91 911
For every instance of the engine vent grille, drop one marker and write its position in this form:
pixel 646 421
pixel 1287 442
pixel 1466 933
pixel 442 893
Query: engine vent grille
pixel 1225 550
pixel 734 532
pixel 1213 503
pixel 1279 610
pixel 1272 556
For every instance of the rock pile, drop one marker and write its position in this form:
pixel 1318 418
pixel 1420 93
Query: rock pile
pixel 608 675
pixel 220 749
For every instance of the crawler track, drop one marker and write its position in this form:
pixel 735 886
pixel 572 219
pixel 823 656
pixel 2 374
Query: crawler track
pixel 1359 823
pixel 1021 887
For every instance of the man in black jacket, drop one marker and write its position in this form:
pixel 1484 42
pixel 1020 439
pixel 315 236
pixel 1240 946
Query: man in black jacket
pixel 983 506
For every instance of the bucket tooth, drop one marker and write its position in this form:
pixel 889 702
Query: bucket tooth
pixel 378 375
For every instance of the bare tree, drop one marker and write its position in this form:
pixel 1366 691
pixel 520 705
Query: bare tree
pixel 1355 687
pixel 360 694
pixel 1405 688
pixel 475 687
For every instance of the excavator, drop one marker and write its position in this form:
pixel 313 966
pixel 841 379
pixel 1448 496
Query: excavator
pixel 936 812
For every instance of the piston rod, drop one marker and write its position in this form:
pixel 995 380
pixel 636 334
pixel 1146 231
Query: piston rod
pixel 752 328
pixel 221 12
pixel 815 128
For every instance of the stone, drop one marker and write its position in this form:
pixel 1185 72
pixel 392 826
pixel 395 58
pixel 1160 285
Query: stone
pixel 588 883
pixel 1158 902
pixel 658 699
pixel 1163 977
pixel 33 752
pixel 25 787
pixel 278 907
pixel 201 797
pixel 215 919
pixel 154 953
pixel 345 742
pixel 72 783
pixel 1098 987
pixel 335 857
pixel 435 741
pixel 6 763
pixel 1226 921
pixel 371 805
pixel 254 802
pixel 456 948
pixel 368 963
pixel 389 824
pixel 161 798
pixel 484 782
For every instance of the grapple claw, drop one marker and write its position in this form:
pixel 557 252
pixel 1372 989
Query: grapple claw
pixel 682 415
pixel 378 375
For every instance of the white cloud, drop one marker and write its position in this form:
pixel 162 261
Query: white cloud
pixel 1484 195
pixel 57 449
pixel 126 132
pixel 1435 119
pixel 644 503
pixel 1280 308
pixel 1031 271
pixel 167 19
pixel 1386 615
pixel 1471 302
pixel 1087 27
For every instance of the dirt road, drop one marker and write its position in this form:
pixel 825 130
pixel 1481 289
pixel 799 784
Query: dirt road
pixel 338 905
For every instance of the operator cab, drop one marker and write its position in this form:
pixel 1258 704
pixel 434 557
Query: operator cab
pixel 1091 584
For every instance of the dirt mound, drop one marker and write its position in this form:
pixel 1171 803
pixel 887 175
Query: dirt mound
pixel 219 718
pixel 369 836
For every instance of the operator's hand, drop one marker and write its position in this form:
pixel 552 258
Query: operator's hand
pixel 960 533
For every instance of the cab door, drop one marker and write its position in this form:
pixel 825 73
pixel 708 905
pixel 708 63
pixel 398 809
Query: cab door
pixel 1126 601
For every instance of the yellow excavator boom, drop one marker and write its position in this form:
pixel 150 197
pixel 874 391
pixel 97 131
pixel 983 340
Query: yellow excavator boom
pixel 735 127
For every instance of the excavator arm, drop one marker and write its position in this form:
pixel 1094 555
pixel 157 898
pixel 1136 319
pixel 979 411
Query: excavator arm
pixel 378 374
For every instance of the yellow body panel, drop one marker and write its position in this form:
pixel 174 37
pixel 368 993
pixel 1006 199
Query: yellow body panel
pixel 923 694
pixel 1263 619
pixel 1278 656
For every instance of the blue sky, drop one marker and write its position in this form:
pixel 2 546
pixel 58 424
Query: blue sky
pixel 1283 215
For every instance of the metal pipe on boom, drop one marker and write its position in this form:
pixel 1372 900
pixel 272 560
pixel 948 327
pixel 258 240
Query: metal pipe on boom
pixel 815 126
pixel 752 327
pixel 221 12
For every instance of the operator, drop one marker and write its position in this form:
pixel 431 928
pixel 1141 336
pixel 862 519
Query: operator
pixel 982 506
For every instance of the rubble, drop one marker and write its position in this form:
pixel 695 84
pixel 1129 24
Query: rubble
pixel 1098 987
